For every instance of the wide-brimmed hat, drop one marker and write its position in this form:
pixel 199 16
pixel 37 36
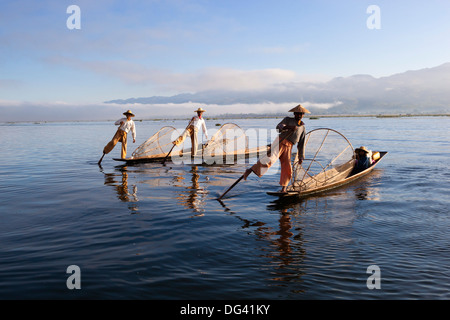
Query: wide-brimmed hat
pixel 129 112
pixel 200 110
pixel 300 109
pixel 362 149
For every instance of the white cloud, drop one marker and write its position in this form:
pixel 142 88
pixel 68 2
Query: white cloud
pixel 276 50
pixel 322 105
pixel 63 111
pixel 187 109
pixel 236 80
pixel 202 80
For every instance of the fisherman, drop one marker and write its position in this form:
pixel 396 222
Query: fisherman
pixel 363 159
pixel 292 131
pixel 125 125
pixel 197 122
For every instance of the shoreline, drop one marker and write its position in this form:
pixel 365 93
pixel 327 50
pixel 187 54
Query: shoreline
pixel 242 116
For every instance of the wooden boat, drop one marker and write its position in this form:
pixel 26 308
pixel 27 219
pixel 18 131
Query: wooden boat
pixel 335 183
pixel 185 156
pixel 228 145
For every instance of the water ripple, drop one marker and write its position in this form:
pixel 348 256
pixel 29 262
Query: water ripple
pixel 157 232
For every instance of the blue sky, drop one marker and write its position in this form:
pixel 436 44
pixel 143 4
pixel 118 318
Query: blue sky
pixel 137 48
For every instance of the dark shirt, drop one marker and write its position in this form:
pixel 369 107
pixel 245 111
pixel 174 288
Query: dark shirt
pixel 296 136
pixel 362 163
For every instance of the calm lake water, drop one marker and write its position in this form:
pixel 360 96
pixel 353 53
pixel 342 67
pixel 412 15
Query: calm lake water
pixel 157 232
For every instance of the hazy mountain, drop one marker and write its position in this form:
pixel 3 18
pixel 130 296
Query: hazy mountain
pixel 425 90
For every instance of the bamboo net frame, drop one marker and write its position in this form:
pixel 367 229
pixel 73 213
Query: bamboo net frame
pixel 158 145
pixel 329 157
pixel 230 139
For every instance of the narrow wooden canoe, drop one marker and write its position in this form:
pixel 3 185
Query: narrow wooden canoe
pixel 333 185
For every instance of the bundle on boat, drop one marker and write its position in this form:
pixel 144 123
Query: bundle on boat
pixel 228 145
pixel 329 163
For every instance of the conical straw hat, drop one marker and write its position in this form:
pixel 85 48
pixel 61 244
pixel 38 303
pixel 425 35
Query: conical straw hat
pixel 363 149
pixel 299 108
pixel 129 112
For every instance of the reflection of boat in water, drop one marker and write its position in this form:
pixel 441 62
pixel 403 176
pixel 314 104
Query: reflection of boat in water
pixel 331 165
pixel 227 146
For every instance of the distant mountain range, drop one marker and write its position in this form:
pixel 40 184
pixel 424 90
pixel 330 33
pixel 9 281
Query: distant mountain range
pixel 419 91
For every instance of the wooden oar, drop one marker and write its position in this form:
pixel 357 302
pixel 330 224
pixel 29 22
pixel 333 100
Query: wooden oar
pixel 232 186
pixel 100 161
pixel 164 161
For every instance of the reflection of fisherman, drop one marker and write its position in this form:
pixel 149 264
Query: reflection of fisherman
pixel 194 200
pixel 292 131
pixel 194 195
pixel 122 189
pixel 197 122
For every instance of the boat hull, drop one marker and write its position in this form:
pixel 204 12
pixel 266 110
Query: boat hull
pixel 330 186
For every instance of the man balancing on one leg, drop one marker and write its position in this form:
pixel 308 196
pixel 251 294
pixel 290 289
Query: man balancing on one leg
pixel 197 122
pixel 292 131
pixel 125 125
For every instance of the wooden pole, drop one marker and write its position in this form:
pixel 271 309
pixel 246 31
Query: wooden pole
pixel 100 161
pixel 232 186
pixel 237 181
pixel 164 161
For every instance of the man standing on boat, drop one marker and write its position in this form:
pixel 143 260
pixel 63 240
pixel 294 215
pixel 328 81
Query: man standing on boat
pixel 125 125
pixel 197 122
pixel 292 131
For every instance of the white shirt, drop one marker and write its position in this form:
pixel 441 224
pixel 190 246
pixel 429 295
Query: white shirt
pixel 127 126
pixel 200 124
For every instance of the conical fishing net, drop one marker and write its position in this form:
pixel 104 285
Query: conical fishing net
pixel 328 159
pixel 157 145
pixel 228 145
pixel 229 140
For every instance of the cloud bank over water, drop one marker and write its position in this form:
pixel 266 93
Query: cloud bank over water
pixel 422 90
pixel 231 91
